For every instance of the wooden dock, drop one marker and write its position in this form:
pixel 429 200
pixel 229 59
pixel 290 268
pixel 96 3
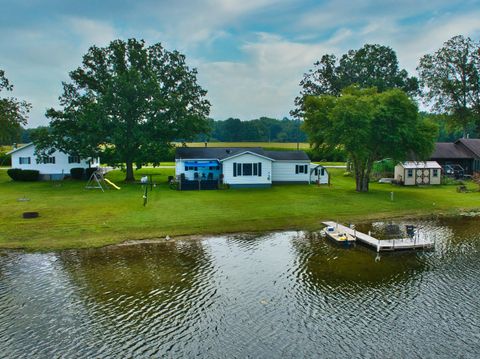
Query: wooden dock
pixel 381 245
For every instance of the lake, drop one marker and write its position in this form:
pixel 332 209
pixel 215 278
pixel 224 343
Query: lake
pixel 285 294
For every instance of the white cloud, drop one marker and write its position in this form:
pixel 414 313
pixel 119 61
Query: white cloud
pixel 266 84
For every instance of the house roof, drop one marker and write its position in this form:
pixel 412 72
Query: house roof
pixel 20 148
pixel 419 165
pixel 472 144
pixel 221 153
pixel 288 155
pixel 449 150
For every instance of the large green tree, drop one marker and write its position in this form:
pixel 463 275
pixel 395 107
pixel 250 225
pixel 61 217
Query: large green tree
pixel 450 79
pixel 126 103
pixel 370 66
pixel 370 126
pixel 13 113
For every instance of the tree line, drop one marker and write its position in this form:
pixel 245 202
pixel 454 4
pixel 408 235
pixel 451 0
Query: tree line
pixel 127 102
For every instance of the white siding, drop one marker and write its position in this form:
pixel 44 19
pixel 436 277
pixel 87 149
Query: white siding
pixel 284 171
pixel 60 166
pixel 418 174
pixel 321 179
pixel 264 179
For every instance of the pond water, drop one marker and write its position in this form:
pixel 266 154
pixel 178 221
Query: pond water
pixel 288 294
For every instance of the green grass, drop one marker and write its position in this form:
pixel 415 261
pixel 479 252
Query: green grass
pixel 72 217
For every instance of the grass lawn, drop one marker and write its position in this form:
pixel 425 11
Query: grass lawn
pixel 71 217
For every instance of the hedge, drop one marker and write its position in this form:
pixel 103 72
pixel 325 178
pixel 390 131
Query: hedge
pixel 18 174
pixel 77 173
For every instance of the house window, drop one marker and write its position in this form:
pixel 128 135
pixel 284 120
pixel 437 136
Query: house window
pixel 315 172
pixel 301 169
pixel 435 173
pixel 73 159
pixel 24 160
pixel 410 173
pixel 323 172
pixel 46 160
pixel 247 169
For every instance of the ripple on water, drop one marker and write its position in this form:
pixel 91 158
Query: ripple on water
pixel 288 294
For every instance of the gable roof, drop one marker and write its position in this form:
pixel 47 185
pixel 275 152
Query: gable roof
pixel 449 150
pixel 20 148
pixel 472 144
pixel 222 153
pixel 420 164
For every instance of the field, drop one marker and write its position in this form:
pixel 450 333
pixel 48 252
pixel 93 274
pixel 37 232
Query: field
pixel 266 145
pixel 72 217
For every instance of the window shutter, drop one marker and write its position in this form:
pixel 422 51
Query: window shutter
pixel 260 169
pixel 296 169
pixel 234 169
pixel 306 169
pixel 239 169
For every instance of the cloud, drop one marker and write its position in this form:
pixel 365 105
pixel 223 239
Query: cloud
pixel 265 84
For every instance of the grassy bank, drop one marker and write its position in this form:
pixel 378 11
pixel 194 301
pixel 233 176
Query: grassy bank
pixel 71 217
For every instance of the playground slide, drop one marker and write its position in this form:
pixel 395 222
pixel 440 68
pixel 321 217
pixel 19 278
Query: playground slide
pixel 111 183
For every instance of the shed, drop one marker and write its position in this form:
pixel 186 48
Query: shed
pixel 413 173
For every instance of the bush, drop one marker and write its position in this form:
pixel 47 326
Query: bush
pixel 89 171
pixel 77 173
pixel 5 160
pixel 14 173
pixel 347 174
pixel 18 174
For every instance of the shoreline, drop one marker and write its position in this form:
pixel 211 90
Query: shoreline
pixel 204 236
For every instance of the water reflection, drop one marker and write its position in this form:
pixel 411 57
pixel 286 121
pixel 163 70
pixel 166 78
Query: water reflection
pixel 286 294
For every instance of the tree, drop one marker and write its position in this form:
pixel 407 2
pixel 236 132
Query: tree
pixel 13 113
pixel 370 126
pixel 450 79
pixel 126 103
pixel 370 66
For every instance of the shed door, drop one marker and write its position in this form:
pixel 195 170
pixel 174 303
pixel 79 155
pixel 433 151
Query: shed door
pixel 422 176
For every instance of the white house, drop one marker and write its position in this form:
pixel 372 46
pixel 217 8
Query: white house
pixel 413 173
pixel 52 167
pixel 243 167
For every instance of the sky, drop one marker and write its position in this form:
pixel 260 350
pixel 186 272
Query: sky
pixel 250 54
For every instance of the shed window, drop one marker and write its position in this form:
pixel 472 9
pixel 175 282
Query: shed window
pixel 322 173
pixel 435 173
pixel 410 173
pixel 73 159
pixel 24 160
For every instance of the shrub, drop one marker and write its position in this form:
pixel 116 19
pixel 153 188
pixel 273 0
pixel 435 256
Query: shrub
pixel 14 173
pixel 5 160
pixel 347 174
pixel 77 173
pixel 18 174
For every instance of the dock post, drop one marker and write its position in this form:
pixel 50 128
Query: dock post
pixel 394 243
pixel 378 246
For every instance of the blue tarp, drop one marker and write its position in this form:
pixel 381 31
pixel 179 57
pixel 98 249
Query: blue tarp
pixel 201 164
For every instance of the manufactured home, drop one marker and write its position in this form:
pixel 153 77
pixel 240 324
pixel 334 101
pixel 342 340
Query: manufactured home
pixel 414 173
pixel 53 167
pixel 206 167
